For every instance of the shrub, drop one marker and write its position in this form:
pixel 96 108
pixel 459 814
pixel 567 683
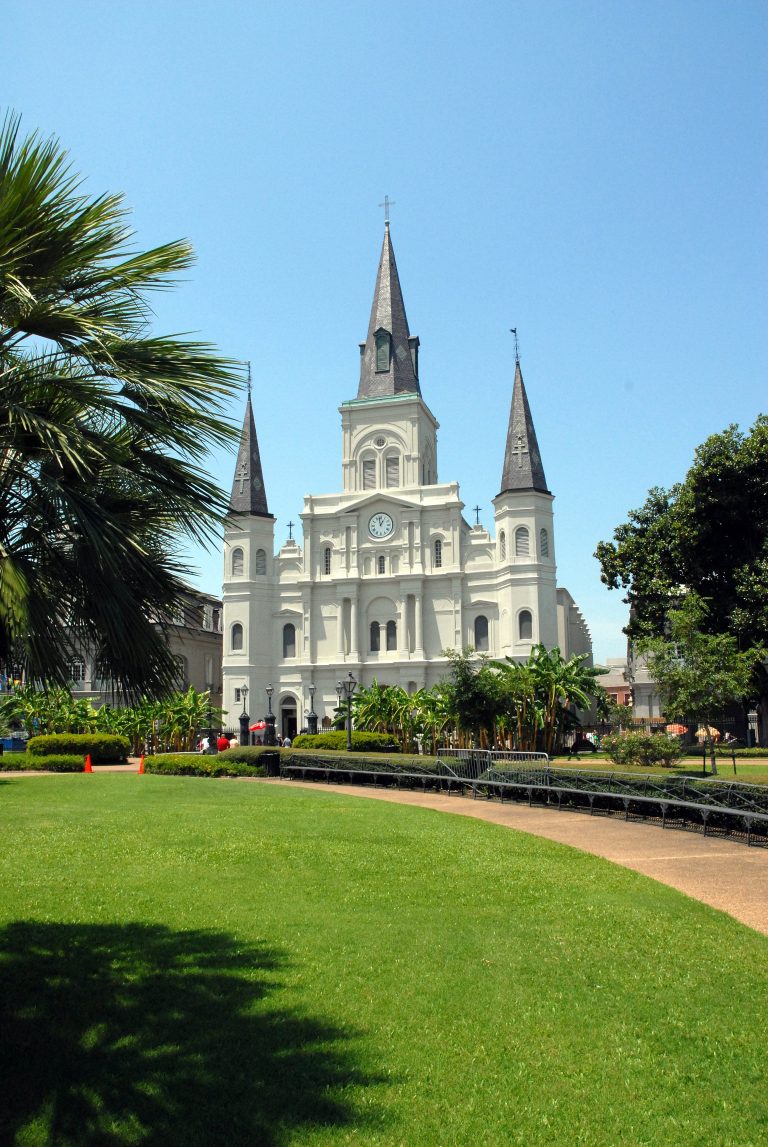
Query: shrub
pixel 200 765
pixel 251 754
pixel 362 742
pixel 104 748
pixel 59 763
pixel 645 749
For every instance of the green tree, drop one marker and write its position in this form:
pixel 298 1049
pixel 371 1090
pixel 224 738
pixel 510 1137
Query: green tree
pixel 102 426
pixel 707 536
pixel 698 674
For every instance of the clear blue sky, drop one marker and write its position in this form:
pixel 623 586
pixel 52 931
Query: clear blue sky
pixel 591 173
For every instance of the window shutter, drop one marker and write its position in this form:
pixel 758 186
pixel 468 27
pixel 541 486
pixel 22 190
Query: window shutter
pixel 393 470
pixel 369 473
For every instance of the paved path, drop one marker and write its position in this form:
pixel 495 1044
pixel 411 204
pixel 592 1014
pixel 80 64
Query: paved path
pixel 721 873
pixel 725 875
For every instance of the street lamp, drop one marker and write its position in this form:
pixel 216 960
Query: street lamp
pixel 345 689
pixel 244 718
pixel 312 715
pixel 269 731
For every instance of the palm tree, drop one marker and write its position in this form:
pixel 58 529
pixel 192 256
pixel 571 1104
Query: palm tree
pixel 101 430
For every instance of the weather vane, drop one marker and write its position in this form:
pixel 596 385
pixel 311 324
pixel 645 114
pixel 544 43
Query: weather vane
pixel 249 378
pixel 513 331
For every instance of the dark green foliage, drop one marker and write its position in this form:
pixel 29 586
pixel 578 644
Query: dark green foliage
pixel 362 742
pixel 250 754
pixel 103 747
pixel 55 763
pixel 200 765
pixel 645 749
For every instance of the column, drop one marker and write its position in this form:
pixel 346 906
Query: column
pixel 340 631
pixel 354 638
pixel 419 650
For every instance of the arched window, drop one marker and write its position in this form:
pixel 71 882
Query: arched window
pixel 237 563
pixel 289 640
pixel 237 637
pixel 525 624
pixel 391 636
pixel 369 473
pixel 544 544
pixel 522 541
pixel 260 563
pixel 438 553
pixel 481 634
pixel 503 546
pixel 327 560
pixel 382 564
pixel 375 637
pixel 77 672
pixel 382 350
pixel 392 470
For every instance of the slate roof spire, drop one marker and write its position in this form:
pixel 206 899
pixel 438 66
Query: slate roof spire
pixel 389 356
pixel 248 493
pixel 522 461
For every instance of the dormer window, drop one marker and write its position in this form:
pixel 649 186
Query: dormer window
pixel 383 347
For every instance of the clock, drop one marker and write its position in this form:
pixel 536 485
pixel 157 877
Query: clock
pixel 381 526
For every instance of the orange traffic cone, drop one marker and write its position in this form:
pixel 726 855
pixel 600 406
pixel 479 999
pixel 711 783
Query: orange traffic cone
pixel 88 766
pixel 141 764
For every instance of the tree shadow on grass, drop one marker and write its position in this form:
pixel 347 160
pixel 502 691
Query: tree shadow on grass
pixel 138 1034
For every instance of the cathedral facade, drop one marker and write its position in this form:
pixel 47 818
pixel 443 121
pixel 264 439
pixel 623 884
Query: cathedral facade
pixel 390 574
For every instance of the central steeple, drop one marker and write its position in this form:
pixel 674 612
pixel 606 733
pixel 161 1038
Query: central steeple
pixel 389 362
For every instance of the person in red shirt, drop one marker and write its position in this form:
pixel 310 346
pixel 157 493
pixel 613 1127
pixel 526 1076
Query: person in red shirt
pixel 222 743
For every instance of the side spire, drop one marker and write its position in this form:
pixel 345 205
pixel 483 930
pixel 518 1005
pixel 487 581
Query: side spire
pixel 523 469
pixel 389 356
pixel 248 493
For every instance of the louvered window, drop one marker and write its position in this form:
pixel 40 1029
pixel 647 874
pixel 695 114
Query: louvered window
pixel 237 563
pixel 260 563
pixel 382 350
pixel 526 625
pixel 382 564
pixel 327 560
pixel 544 544
pixel 438 553
pixel 393 470
pixel 391 636
pixel 375 637
pixel 522 541
pixel 502 545
pixel 369 473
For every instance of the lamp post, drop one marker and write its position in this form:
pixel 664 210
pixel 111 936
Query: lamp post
pixel 269 720
pixel 244 718
pixel 345 689
pixel 312 715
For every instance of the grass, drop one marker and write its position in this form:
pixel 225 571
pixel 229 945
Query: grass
pixel 199 962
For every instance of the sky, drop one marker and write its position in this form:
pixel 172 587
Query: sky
pixel 591 173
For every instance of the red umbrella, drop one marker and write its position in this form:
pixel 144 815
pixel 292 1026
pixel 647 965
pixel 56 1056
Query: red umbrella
pixel 258 725
pixel 678 730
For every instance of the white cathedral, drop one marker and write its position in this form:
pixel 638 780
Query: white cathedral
pixel 390 574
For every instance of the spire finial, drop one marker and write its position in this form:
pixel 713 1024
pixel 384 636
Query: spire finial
pixel 386 205
pixel 513 331
pixel 249 378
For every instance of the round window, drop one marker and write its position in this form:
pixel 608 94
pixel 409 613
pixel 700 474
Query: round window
pixel 380 442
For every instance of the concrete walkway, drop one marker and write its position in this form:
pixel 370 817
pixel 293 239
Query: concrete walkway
pixel 720 873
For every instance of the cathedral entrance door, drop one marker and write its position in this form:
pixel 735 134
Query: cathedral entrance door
pixel 288 725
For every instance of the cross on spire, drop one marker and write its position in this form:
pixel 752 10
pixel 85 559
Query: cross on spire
pixel 290 531
pixel 242 475
pixel 386 205
pixel 518 451
pixel 249 378
pixel 476 512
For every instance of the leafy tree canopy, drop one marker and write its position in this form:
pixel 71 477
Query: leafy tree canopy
pixel 708 535
pixel 103 430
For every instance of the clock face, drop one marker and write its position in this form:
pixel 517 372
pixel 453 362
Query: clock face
pixel 380 526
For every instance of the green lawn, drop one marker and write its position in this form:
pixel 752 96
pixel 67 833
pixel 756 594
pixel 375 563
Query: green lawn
pixel 189 962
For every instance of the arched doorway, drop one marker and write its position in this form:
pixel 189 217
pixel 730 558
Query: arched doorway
pixel 288 717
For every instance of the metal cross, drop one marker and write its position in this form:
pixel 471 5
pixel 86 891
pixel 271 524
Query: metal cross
pixel 513 331
pixel 249 379
pixel 242 475
pixel 476 511
pixel 290 531
pixel 518 451
pixel 386 205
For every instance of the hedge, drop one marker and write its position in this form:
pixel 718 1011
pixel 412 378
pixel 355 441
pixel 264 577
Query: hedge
pixel 646 749
pixel 200 765
pixel 251 754
pixel 59 763
pixel 104 748
pixel 726 751
pixel 362 742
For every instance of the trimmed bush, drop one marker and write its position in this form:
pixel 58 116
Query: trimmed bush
pixel 104 748
pixel 726 751
pixel 58 763
pixel 645 749
pixel 200 765
pixel 251 754
pixel 362 742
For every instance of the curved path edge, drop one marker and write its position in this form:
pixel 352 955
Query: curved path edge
pixel 728 876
